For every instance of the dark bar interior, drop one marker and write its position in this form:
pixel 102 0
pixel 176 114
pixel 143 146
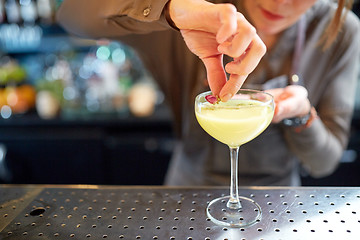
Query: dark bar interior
pixel 82 158
pixel 90 139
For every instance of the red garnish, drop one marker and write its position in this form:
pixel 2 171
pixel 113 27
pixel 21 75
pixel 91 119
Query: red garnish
pixel 212 99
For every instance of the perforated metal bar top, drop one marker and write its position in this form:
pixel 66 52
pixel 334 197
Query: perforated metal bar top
pixel 134 212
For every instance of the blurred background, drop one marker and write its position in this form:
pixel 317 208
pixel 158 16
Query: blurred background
pixel 69 115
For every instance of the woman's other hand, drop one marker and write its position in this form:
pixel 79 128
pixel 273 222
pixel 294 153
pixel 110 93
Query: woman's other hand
pixel 291 101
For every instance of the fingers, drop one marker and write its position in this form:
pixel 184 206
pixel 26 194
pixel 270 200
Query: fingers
pixel 247 49
pixel 240 41
pixel 241 67
pixel 298 90
pixel 290 108
pixel 227 17
pixel 246 63
pixel 291 101
pixel 231 86
pixel 215 73
pixel 275 92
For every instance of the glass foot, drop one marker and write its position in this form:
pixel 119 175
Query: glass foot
pixel 219 213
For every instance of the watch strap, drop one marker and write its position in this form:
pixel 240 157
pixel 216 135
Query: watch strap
pixel 296 121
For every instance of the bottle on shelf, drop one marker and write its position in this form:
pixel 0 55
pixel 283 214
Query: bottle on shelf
pixel 12 10
pixel 28 12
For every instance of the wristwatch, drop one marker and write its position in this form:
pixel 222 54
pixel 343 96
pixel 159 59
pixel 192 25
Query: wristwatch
pixel 297 121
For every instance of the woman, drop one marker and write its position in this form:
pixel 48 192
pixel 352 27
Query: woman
pixel 309 68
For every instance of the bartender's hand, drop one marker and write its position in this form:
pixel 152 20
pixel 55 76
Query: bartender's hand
pixel 291 101
pixel 212 30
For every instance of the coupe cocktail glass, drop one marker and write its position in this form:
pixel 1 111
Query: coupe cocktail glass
pixel 235 122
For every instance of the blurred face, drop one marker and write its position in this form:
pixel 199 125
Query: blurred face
pixel 274 16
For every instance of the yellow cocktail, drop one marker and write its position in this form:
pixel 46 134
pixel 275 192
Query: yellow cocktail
pixel 234 123
pixel 225 121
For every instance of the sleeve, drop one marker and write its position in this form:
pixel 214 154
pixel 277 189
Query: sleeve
pixel 320 147
pixel 111 18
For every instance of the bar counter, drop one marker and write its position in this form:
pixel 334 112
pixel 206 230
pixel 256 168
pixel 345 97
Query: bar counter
pixel 159 212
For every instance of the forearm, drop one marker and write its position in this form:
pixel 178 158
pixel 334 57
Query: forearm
pixel 318 149
pixel 111 18
pixel 320 146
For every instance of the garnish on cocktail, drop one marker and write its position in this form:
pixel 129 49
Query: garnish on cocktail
pixel 212 99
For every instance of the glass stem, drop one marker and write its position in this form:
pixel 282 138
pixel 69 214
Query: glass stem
pixel 234 202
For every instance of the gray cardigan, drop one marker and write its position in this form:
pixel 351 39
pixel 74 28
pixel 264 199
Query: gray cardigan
pixel 276 156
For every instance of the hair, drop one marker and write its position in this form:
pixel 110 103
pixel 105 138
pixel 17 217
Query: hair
pixel 336 23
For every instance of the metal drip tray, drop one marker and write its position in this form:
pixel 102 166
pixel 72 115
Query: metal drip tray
pixel 95 212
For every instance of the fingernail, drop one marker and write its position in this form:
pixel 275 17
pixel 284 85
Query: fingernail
pixel 226 97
